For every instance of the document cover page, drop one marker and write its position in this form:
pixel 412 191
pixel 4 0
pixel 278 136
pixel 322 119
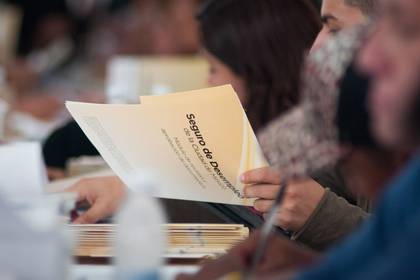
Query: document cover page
pixel 195 144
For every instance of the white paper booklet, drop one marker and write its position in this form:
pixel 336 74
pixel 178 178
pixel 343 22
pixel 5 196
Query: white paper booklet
pixel 195 143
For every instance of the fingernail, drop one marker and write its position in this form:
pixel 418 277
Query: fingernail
pixel 242 178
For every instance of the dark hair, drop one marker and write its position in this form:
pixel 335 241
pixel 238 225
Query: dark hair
pixel 263 42
pixel 366 6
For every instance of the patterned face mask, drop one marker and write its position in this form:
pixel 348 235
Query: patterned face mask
pixel 306 139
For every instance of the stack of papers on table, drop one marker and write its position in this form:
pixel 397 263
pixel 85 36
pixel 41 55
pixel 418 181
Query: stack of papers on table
pixel 184 240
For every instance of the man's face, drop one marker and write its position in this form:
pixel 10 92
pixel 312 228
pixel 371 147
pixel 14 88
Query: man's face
pixel 392 57
pixel 336 15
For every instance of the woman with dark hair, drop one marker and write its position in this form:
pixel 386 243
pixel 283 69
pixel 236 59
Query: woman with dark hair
pixel 258 47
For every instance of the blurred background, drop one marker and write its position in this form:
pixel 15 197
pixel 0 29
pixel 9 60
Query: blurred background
pixel 101 51
pixel 91 51
pixel 57 50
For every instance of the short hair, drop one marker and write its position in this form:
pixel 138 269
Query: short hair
pixel 368 7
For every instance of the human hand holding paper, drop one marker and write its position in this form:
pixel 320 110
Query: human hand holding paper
pixel 300 200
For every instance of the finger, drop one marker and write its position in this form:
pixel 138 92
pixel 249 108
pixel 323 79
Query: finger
pixel 262 191
pixel 81 194
pixel 98 211
pixel 263 206
pixel 81 188
pixel 266 175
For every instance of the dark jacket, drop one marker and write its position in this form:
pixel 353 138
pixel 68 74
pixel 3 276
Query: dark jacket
pixel 337 215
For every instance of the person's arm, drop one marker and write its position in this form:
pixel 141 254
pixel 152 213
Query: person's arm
pixel 332 220
pixel 338 213
pixel 317 216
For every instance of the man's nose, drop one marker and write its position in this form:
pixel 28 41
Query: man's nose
pixel 322 37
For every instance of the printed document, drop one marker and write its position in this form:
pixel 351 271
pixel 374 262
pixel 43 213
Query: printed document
pixel 196 144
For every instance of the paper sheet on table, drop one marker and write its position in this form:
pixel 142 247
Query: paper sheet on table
pixel 22 169
pixel 196 143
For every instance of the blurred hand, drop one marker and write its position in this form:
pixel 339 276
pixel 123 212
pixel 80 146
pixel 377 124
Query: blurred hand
pixel 55 173
pixel 281 255
pixel 301 197
pixel 21 77
pixel 41 106
pixel 104 194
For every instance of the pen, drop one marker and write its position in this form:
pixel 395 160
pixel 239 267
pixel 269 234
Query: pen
pixel 266 231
